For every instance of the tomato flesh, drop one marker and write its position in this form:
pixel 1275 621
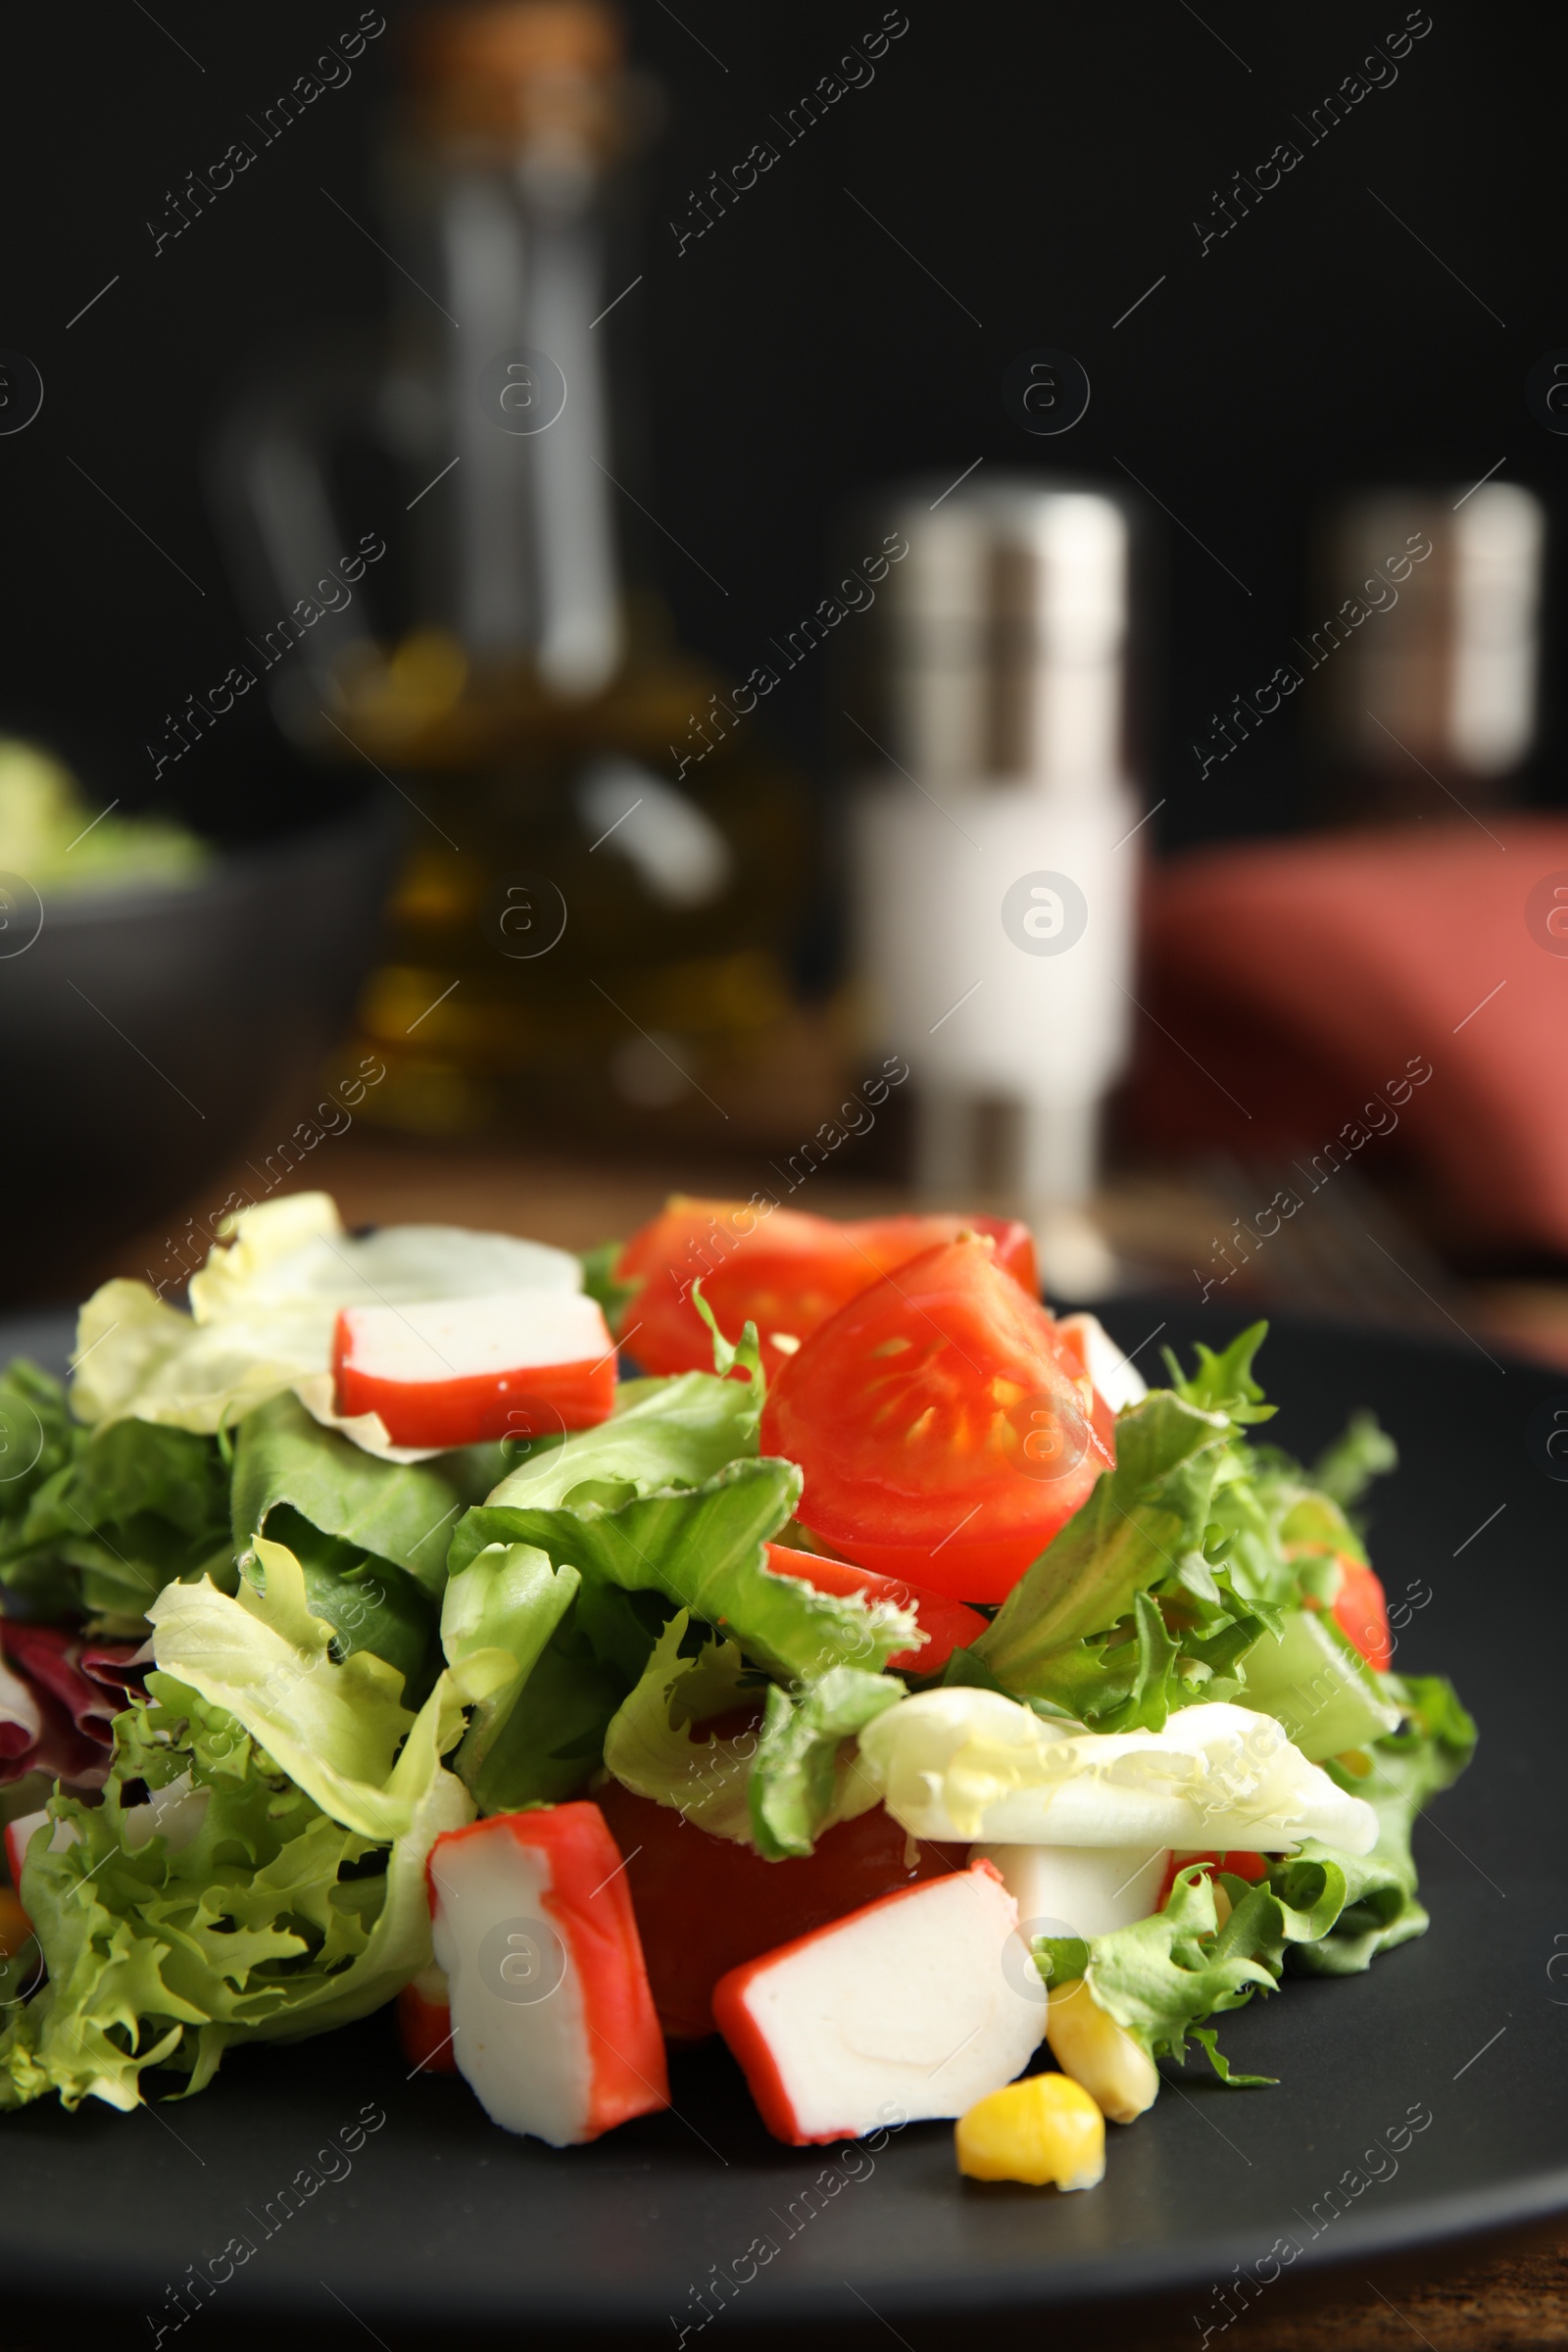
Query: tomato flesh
pixel 1238 1863
pixel 944 1432
pixel 779 1268
pixel 1361 1613
pixel 946 1624
pixel 424 2031
pixel 704 1904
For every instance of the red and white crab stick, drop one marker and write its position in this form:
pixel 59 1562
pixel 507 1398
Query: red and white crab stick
pixel 457 1371
pixel 915 2006
pixel 553 2023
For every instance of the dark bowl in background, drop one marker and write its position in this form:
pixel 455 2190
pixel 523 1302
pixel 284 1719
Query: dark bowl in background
pixel 149 1037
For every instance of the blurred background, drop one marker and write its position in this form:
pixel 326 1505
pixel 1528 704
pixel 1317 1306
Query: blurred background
pixel 590 588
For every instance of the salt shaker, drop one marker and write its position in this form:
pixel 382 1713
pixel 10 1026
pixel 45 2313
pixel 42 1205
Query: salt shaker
pixel 996 828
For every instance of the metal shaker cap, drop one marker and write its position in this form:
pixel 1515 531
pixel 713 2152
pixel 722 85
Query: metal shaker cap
pixel 1001 642
pixel 1432 601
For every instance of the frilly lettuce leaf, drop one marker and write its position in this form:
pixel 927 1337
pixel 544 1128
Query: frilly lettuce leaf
pixel 333 1724
pixel 806 1775
pixel 263 1305
pixel 700 1549
pixel 648 1746
pixel 661 1508
pixel 271 1923
pixel 238 1276
pixel 1163 1977
pixel 1224 1383
pixel 1321 1911
pixel 1433 1743
pixel 101 1521
pixel 1360 1453
pixel 1144 1521
pixel 137 1357
pixel 1183 1580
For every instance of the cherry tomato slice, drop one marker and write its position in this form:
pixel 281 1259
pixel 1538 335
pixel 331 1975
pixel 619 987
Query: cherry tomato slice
pixel 946 1624
pixel 1240 1863
pixel 1361 1613
pixel 776 1267
pixel 944 1433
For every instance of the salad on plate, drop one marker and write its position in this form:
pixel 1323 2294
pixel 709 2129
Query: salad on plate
pixel 774 1626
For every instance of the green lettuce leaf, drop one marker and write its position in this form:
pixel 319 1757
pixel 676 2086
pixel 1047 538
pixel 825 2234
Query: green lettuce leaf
pixel 1142 1523
pixel 648 1744
pixel 370 1535
pixel 550 1747
pixel 368 1602
pixel 664 1508
pixel 662 1433
pixel 101 1521
pixel 335 1724
pixel 1224 1383
pixel 1360 1453
pixel 397 1511
pixel 1206 2037
pixel 803 1778
pixel 1200 1545
pixel 1166 1973
pixel 496 1621
pixel 699 1549
pixel 1317 1685
pixel 692 1549
pixel 599 1281
pixel 1320 1912
pixel 272 1922
pixel 1433 1743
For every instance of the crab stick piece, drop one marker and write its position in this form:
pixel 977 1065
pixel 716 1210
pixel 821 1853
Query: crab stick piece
pixel 458 1371
pixel 553 2024
pixel 1081 1890
pixel 425 2023
pixel 705 1904
pixel 909 2003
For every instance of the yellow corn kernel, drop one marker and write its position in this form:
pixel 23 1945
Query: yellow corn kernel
pixel 1120 2077
pixel 1045 2129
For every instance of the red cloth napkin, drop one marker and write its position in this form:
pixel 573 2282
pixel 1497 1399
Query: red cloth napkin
pixel 1297 989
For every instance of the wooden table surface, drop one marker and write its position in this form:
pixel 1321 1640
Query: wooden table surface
pixel 1465 2302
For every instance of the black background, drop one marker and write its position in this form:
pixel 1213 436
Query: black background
pixel 1046 165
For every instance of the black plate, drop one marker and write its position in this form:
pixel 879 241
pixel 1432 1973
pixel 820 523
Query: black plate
pixel 437 2219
